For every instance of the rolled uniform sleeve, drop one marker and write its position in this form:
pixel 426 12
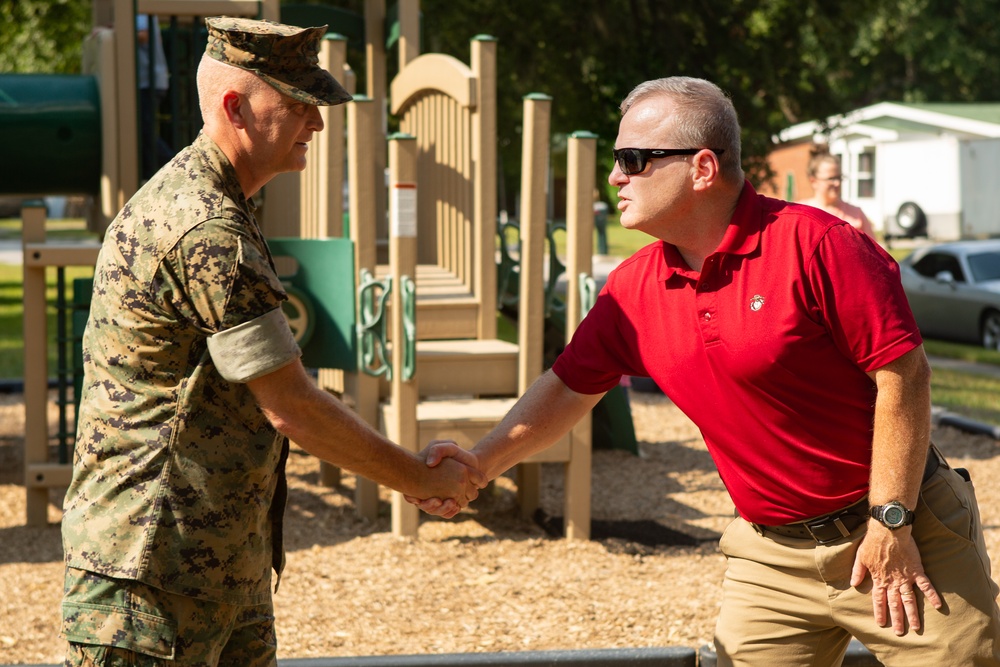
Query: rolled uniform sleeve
pixel 254 349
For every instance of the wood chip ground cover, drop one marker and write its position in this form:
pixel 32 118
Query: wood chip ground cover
pixel 486 581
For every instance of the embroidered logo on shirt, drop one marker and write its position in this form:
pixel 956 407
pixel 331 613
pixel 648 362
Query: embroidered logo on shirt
pixel 756 303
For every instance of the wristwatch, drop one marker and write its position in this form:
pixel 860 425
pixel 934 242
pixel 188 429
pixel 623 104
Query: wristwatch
pixel 892 515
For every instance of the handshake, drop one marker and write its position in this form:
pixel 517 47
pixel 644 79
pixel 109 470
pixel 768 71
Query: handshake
pixel 454 477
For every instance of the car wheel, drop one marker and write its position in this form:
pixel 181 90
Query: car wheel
pixel 991 330
pixel 911 219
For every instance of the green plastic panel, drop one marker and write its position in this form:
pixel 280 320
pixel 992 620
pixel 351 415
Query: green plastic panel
pixel 323 283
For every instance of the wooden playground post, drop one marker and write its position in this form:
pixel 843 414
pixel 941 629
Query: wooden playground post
pixel 409 31
pixel 581 163
pixel 36 368
pixel 363 140
pixel 125 83
pixel 484 156
pixel 322 194
pixel 375 88
pixel 39 473
pixel 321 184
pixel 99 61
pixel 403 263
pixel 580 181
pixel 531 306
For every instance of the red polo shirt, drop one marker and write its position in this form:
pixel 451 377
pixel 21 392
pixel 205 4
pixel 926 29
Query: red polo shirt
pixel 766 350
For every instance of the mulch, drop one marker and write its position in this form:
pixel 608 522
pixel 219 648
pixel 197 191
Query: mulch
pixel 488 580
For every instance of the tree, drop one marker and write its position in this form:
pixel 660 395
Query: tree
pixel 928 51
pixel 43 36
pixel 782 61
pixel 589 55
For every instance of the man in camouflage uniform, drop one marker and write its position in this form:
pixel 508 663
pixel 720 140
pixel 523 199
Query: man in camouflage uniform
pixel 193 383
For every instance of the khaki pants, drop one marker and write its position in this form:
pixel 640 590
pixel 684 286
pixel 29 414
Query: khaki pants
pixel 123 623
pixel 789 602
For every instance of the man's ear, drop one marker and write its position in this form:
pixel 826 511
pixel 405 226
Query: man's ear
pixel 233 106
pixel 706 168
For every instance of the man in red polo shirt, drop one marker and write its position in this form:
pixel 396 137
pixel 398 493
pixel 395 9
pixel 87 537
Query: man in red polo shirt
pixel 784 334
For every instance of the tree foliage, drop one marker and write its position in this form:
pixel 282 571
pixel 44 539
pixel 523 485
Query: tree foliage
pixel 42 35
pixel 782 61
pixel 590 56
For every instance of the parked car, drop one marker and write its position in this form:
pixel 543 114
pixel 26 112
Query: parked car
pixel 954 290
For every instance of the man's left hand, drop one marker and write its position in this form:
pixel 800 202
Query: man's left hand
pixel 893 561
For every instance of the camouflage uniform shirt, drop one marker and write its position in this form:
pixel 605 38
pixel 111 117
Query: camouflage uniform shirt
pixel 176 468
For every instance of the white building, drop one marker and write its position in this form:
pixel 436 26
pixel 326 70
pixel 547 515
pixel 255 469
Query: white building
pixel 914 169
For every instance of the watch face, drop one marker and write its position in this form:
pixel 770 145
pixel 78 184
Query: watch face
pixel 893 516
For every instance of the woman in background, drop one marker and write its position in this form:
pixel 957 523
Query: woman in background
pixel 825 178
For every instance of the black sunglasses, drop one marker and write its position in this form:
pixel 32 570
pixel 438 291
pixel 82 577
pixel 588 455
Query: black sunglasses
pixel 633 160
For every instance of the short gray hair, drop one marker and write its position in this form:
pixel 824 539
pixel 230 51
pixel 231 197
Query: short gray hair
pixel 214 77
pixel 705 117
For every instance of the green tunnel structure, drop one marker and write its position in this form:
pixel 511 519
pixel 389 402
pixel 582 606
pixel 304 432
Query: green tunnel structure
pixel 50 130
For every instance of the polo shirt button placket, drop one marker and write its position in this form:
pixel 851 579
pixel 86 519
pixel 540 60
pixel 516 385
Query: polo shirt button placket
pixel 709 325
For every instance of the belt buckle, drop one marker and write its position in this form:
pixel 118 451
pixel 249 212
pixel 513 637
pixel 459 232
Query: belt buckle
pixel 837 523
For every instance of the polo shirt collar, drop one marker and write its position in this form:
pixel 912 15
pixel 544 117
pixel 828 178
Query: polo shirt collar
pixel 742 236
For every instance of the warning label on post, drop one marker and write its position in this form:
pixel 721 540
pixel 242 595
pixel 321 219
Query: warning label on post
pixel 403 210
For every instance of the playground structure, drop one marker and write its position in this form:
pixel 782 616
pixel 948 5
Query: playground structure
pixel 450 376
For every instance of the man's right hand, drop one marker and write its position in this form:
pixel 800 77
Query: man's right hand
pixel 448 458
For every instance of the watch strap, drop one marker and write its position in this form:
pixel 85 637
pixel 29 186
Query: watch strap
pixel 878 512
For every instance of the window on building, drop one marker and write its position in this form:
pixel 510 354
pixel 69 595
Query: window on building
pixel 866 174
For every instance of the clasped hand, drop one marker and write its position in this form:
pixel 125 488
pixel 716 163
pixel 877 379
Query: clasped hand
pixel 447 457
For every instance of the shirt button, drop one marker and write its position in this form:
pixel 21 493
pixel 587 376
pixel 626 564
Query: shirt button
pixel 707 316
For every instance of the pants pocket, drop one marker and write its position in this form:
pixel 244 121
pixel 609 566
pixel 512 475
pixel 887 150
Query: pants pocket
pixel 87 655
pixel 102 626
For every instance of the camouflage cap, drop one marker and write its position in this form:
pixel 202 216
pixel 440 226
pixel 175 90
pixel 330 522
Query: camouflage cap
pixel 284 56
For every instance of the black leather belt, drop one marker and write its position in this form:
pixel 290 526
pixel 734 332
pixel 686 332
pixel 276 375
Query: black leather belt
pixel 840 524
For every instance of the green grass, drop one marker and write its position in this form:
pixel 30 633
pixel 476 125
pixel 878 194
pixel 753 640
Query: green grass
pixel 973 396
pixel 56 230
pixel 899 254
pixel 624 242
pixel 621 242
pixel 973 353
pixel 12 316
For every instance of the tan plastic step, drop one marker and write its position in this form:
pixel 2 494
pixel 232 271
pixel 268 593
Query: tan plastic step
pixel 433 280
pixel 445 317
pixel 446 307
pixel 464 367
